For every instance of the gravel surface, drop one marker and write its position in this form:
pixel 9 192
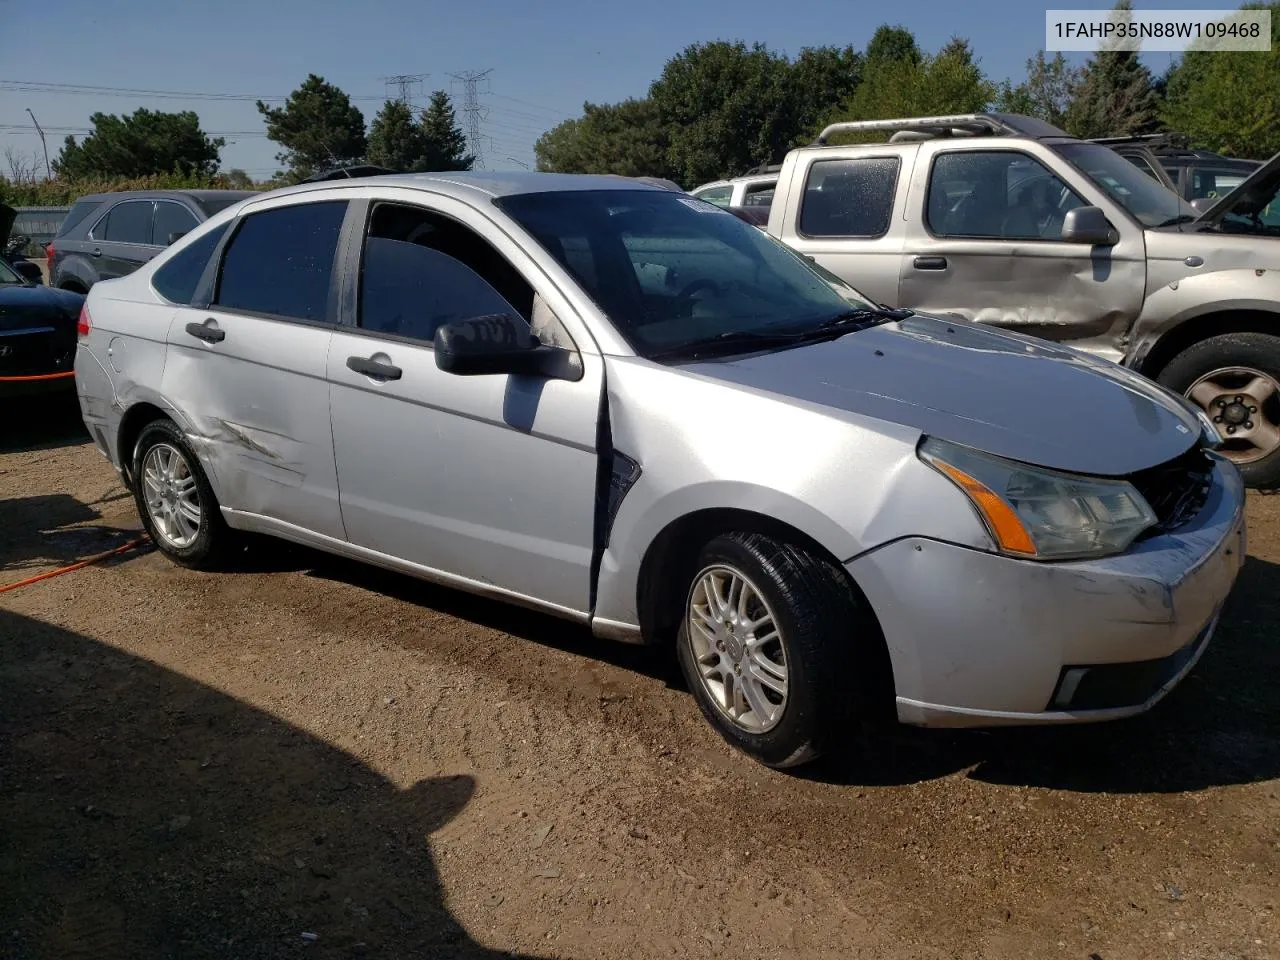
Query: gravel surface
pixel 311 758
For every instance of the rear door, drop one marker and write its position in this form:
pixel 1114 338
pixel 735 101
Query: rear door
pixel 120 242
pixel 840 213
pixel 247 366
pixel 491 479
pixel 171 222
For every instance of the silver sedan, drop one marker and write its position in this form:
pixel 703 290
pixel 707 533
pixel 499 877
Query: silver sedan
pixel 625 406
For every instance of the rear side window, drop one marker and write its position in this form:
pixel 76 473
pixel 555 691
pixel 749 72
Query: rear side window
pixel 75 216
pixel 849 198
pixel 171 218
pixel 280 262
pixel 720 196
pixel 177 280
pixel 128 222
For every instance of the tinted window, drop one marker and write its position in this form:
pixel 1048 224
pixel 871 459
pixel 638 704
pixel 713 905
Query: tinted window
pixel 759 195
pixel 280 262
pixel 79 210
pixel 1148 202
pixel 849 198
pixel 1141 163
pixel 211 203
pixel 1001 196
pixel 177 280
pixel 720 196
pixel 171 218
pixel 128 222
pixel 671 271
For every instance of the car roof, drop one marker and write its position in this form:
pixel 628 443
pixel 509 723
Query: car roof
pixel 197 195
pixel 472 184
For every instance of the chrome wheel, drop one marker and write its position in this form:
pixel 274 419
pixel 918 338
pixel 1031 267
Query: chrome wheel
pixel 170 493
pixel 1244 404
pixel 738 649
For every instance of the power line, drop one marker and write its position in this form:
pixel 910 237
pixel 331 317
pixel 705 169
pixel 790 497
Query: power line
pixel 74 89
pixel 474 113
pixel 405 82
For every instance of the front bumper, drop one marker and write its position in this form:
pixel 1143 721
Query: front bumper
pixel 979 639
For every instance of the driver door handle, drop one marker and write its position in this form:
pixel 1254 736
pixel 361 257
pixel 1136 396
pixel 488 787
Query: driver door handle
pixel 930 263
pixel 209 331
pixel 374 368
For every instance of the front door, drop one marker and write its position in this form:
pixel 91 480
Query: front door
pixel 989 248
pixel 249 369
pixel 491 479
pixel 121 241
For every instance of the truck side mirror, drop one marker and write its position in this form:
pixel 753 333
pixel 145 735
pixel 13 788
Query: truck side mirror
pixel 1088 225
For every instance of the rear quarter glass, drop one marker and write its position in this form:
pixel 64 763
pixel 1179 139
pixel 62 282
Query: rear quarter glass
pixel 79 210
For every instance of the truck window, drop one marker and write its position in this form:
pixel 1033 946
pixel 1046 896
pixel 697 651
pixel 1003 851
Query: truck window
pixel 721 196
pixel 849 198
pixel 998 195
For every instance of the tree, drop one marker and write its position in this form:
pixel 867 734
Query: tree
pixel 1047 92
pixel 892 45
pixel 1115 96
pixel 445 143
pixel 237 179
pixel 318 127
pixel 820 77
pixel 141 144
pixel 627 139
pixel 1228 101
pixel 396 139
pixel 726 108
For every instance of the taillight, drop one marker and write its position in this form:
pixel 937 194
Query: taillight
pixel 83 324
pixel 49 252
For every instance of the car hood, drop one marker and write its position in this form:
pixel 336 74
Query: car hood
pixel 21 306
pixel 1260 183
pixel 1007 394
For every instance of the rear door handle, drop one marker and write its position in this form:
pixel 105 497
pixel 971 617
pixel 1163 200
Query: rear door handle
pixel 374 368
pixel 209 331
pixel 930 263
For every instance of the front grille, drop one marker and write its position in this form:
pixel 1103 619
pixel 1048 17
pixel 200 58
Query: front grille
pixel 1176 490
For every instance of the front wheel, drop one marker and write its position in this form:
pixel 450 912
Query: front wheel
pixel 1235 379
pixel 769 643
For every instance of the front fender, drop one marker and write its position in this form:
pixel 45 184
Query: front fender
pixel 1189 298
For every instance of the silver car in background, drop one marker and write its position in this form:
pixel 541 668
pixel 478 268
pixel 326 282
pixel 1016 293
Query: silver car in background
pixel 629 408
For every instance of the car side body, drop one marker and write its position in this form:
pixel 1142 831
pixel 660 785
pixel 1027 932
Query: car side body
pixel 587 491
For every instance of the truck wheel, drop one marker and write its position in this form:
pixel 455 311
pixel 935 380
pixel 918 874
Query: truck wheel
pixel 769 642
pixel 1235 379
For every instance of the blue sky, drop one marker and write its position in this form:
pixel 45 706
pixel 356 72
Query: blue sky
pixel 546 58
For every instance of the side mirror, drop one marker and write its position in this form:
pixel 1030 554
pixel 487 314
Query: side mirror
pixel 1088 225
pixel 1202 204
pixel 29 271
pixel 495 343
pixel 176 236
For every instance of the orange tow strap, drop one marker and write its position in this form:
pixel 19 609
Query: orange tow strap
pixel 39 376
pixel 132 544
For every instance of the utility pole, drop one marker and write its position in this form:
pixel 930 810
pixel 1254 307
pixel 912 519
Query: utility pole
pixel 47 171
pixel 471 109
pixel 405 82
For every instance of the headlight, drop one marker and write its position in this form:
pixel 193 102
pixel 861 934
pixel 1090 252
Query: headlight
pixel 1043 514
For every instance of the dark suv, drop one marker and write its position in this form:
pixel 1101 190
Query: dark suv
pixel 108 235
pixel 1192 174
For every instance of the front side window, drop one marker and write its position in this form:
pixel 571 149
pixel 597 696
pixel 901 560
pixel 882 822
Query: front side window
pixel 759 195
pixel 128 222
pixel 1214 184
pixel 421 270
pixel 171 218
pixel 849 198
pixel 670 271
pixel 997 195
pixel 1149 202
pixel 280 261
pixel 721 196
pixel 178 278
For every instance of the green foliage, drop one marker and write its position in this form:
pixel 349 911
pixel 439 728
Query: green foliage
pixel 627 139
pixel 1228 102
pixel 446 144
pixel 318 127
pixel 1115 96
pixel 1046 93
pixel 893 45
pixel 144 143
pixel 62 192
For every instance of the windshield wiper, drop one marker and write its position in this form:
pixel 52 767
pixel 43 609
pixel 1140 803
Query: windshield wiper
pixel 864 317
pixel 1174 221
pixel 736 340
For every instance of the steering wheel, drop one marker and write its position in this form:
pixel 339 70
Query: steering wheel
pixel 689 289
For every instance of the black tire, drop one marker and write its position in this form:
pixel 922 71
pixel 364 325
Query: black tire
pixel 214 542
pixel 1257 351
pixel 826 633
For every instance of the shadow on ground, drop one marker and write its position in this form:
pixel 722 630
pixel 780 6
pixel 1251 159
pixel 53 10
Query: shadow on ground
pixel 45 531
pixel 42 423
pixel 147 815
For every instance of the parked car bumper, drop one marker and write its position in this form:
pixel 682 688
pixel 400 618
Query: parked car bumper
pixel 979 639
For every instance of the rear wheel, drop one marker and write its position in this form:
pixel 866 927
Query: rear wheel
pixel 770 643
pixel 174 499
pixel 1235 379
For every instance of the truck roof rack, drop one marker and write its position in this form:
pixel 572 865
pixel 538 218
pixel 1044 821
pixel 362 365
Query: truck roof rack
pixel 958 125
pixel 764 168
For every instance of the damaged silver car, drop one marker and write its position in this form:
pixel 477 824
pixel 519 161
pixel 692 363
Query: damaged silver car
pixel 629 408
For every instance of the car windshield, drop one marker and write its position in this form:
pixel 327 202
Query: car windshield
pixel 672 271
pixel 1256 211
pixel 1148 201
pixel 9 275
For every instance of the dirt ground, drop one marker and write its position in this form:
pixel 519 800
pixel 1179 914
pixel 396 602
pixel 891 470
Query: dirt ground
pixel 310 758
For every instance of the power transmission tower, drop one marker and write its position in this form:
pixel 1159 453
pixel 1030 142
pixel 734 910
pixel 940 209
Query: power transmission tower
pixel 405 82
pixel 472 110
